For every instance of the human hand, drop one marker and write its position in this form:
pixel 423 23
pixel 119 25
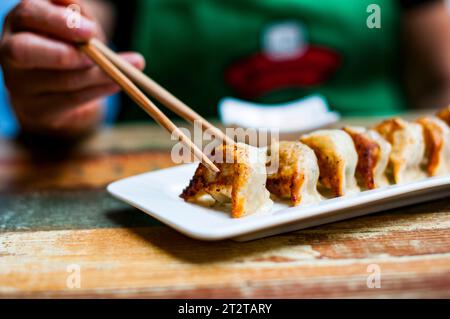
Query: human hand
pixel 53 87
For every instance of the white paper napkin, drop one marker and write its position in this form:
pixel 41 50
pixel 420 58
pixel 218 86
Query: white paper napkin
pixel 302 115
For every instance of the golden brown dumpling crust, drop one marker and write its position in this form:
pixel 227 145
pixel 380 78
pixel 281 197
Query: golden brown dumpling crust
pixel 286 186
pixel 232 183
pixel 330 168
pixel 388 128
pixel 434 142
pixel 219 185
pixel 337 159
pixel 369 153
pixel 288 181
pixel 434 135
pixel 408 148
pixel 444 115
pixel 197 185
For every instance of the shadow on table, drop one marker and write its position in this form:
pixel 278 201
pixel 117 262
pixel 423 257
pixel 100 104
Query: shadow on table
pixel 313 243
pixel 188 249
pixel 130 217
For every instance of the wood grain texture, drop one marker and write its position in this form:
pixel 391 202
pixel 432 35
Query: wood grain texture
pixel 157 262
pixel 56 214
pixel 78 172
pixel 67 209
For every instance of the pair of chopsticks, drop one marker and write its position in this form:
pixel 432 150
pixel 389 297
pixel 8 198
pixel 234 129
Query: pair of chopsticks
pixel 125 75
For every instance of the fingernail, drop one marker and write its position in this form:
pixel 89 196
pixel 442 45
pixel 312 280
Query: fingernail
pixel 87 29
pixel 138 60
pixel 90 26
pixel 86 62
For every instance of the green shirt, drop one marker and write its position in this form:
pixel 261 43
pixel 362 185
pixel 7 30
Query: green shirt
pixel 273 51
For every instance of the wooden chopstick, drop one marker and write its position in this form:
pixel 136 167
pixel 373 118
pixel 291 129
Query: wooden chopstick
pixel 158 92
pixel 133 91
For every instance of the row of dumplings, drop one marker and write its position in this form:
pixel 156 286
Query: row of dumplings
pixel 326 163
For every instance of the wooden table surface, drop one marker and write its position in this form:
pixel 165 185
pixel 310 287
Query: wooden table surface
pixel 56 215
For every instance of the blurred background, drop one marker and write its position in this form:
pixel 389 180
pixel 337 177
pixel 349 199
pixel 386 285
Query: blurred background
pixel 267 52
pixel 8 124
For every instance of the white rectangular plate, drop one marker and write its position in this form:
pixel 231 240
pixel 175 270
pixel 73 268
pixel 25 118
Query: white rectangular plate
pixel 157 194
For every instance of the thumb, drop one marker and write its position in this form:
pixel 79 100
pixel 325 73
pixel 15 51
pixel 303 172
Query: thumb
pixel 134 58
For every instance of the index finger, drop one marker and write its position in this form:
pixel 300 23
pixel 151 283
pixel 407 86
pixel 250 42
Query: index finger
pixel 53 20
pixel 27 50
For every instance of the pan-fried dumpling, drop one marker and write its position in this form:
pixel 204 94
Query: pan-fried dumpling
pixel 241 180
pixel 444 115
pixel 373 156
pixel 437 145
pixel 337 158
pixel 408 148
pixel 297 174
